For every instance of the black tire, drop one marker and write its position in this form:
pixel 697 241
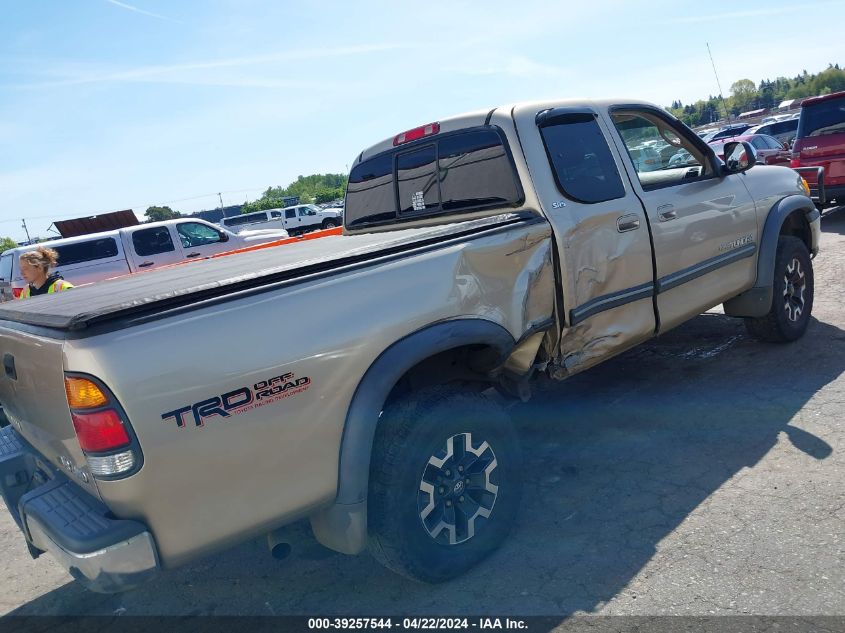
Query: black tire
pixel 412 434
pixel 792 298
pixel 330 224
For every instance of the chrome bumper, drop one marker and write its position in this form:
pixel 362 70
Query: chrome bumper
pixel 106 554
pixel 113 569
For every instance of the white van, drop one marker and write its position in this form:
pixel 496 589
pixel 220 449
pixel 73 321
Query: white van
pixel 269 219
pixel 97 256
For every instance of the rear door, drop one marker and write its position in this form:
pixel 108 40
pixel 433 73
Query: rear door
pixel 704 224
pixel 292 220
pixel 91 260
pixel 601 233
pixel 152 247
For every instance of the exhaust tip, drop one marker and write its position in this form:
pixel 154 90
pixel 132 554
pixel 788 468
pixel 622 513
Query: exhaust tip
pixel 280 551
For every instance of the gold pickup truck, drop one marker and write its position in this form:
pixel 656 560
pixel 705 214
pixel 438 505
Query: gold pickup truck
pixel 160 417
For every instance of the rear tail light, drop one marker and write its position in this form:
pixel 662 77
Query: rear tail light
pixel 417 133
pixel 17 292
pixel 795 160
pixel 101 427
pixel 101 431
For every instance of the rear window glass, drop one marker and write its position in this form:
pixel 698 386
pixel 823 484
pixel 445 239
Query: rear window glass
pixel 6 267
pixel 80 252
pixel 820 119
pixel 152 241
pixel 416 180
pixel 458 172
pixel 583 166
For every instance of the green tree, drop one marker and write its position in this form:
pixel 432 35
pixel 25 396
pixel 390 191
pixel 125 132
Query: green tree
pixel 744 94
pixel 6 243
pixel 157 214
pixel 318 188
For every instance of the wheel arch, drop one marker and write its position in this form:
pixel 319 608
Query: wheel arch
pixel 343 525
pixel 792 215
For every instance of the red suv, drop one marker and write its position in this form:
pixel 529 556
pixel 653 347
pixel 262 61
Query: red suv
pixel 821 143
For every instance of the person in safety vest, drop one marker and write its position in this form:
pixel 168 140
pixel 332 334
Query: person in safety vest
pixel 35 269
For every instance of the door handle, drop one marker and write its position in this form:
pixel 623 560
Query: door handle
pixel 9 366
pixel 193 254
pixel 666 212
pixel 628 222
pixel 145 264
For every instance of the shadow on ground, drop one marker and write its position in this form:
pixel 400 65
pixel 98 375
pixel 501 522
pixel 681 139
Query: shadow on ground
pixel 617 458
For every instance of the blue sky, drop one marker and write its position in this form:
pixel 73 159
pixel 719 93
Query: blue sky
pixel 108 104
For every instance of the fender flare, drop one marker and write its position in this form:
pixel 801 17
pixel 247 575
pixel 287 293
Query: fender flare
pixel 757 301
pixel 343 525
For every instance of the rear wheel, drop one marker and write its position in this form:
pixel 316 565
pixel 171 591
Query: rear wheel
pixel 792 298
pixel 444 484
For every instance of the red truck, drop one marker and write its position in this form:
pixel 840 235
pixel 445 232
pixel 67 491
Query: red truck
pixel 820 143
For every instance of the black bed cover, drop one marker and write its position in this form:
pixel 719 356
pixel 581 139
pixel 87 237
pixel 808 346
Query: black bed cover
pixel 189 283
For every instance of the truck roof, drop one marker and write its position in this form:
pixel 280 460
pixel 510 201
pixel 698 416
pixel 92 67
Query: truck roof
pixel 479 117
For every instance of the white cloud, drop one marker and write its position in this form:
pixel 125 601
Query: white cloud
pixel 129 7
pixel 78 74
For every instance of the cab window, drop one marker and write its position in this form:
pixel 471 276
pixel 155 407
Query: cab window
pixel 661 154
pixel 583 166
pixel 193 234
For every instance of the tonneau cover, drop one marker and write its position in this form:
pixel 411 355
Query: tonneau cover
pixel 183 284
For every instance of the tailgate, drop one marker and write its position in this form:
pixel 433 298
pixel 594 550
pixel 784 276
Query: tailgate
pixel 32 394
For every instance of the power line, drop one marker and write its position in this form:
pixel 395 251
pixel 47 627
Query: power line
pixel 134 206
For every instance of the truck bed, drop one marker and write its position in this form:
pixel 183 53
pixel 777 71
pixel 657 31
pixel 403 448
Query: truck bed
pixel 161 292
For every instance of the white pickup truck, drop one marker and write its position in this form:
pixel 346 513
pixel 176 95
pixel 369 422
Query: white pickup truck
pixel 98 256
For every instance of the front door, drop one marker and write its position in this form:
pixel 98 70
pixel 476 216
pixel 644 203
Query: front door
pixel 703 222
pixel 200 240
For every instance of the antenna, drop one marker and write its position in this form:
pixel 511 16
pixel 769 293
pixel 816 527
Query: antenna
pixel 727 114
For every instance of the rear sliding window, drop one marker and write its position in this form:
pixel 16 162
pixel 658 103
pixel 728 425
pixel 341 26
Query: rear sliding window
pixel 468 170
pixel 583 166
pixel 86 251
pixel 825 117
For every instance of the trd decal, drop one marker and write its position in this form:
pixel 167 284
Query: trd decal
pixel 239 400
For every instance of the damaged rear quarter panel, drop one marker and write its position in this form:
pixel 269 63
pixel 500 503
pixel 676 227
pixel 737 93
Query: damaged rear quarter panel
pixel 205 487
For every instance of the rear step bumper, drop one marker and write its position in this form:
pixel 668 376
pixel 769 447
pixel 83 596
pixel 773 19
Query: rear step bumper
pixel 106 554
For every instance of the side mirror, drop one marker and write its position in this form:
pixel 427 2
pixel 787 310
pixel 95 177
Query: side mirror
pixel 224 237
pixel 739 157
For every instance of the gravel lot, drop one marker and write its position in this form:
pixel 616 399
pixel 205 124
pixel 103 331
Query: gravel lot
pixel 702 473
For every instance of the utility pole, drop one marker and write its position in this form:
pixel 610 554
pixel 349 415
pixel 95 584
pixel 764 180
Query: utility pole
pixel 28 239
pixel 221 201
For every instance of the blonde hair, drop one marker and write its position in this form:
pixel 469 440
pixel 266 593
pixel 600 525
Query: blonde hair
pixel 42 257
